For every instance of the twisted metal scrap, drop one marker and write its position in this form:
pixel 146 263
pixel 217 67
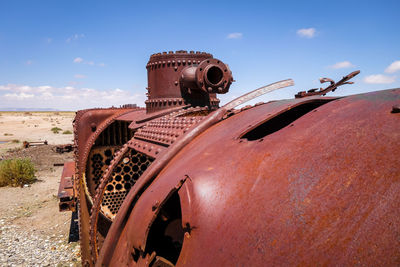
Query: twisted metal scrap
pixel 332 87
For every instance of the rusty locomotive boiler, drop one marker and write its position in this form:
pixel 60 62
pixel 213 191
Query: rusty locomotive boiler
pixel 303 181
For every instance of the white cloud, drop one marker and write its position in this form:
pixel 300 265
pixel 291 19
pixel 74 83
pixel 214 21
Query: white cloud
pixel 379 79
pixel 235 35
pixel 75 37
pixel 306 33
pixel 78 60
pixel 16 88
pixel 44 89
pixel 65 98
pixel 342 65
pixel 395 66
pixel 49 40
pixel 47 95
pixel 79 76
pixel 19 96
pixel 91 63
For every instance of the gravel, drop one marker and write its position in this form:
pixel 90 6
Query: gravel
pixel 19 247
pixel 32 230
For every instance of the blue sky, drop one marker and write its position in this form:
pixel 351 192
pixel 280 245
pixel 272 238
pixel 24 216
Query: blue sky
pixel 81 54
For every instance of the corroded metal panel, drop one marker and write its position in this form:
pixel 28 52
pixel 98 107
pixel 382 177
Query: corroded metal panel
pixel 66 190
pixel 305 181
pixel 322 190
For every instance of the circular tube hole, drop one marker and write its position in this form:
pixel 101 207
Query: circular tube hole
pixel 214 75
pixel 110 187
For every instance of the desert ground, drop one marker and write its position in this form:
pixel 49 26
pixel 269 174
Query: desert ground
pixel 32 230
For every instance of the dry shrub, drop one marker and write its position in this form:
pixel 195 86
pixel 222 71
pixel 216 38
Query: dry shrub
pixel 56 130
pixel 67 132
pixel 16 172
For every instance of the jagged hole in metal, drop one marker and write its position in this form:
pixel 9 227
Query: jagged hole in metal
pixel 282 120
pixel 123 177
pixel 166 234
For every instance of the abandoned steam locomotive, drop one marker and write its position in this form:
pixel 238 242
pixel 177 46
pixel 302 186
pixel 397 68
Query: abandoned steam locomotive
pixel 307 180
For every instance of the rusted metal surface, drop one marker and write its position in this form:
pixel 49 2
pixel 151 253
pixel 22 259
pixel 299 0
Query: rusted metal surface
pixel 176 79
pixel 97 131
pixel 322 190
pixel 66 190
pixel 304 181
pixel 64 148
pixel 167 129
pixel 332 87
pixel 88 127
pixel 151 141
pixel 27 144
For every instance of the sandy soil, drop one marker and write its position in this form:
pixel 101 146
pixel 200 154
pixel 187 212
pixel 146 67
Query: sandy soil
pixel 35 126
pixel 34 209
pixel 37 205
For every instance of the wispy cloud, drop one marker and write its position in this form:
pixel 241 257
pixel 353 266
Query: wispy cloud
pixel 342 65
pixel 379 79
pixel 49 40
pixel 80 76
pixel 67 98
pixel 75 37
pixel 395 66
pixel 91 63
pixel 78 60
pixel 29 62
pixel 306 32
pixel 235 35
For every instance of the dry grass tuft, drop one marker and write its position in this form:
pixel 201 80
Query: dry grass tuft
pixel 56 130
pixel 16 172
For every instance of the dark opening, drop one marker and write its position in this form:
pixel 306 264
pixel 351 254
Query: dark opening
pixel 166 233
pixel 282 120
pixel 214 75
pixel 117 133
pixel 64 206
pixel 108 153
pixel 110 187
pixel 74 228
